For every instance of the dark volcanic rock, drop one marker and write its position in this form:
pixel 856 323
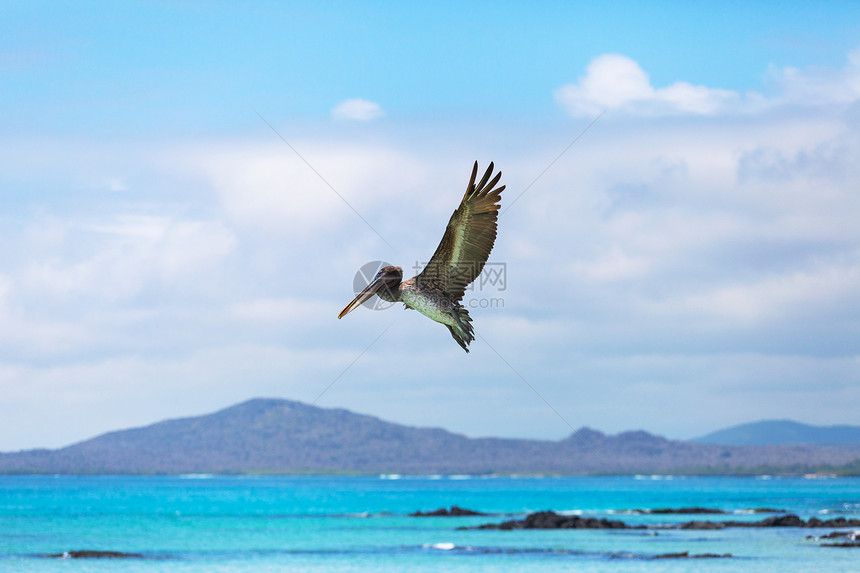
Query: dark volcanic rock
pixel 836 522
pixel 837 535
pixel 698 511
pixel 686 555
pixel 852 539
pixel 789 520
pixel 679 511
pixel 702 525
pixel 552 520
pixel 455 511
pixel 94 554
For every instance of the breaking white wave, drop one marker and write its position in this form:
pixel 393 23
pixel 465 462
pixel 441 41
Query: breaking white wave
pixel 446 546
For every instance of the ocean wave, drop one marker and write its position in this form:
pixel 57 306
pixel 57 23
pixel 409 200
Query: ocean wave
pixel 446 546
pixel 435 477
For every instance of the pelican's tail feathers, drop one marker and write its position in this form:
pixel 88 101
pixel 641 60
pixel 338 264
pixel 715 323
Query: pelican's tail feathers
pixel 462 332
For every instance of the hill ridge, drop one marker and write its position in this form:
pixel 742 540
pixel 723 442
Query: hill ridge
pixel 276 435
pixel 783 432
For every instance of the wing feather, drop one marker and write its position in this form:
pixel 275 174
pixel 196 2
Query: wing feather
pixel 468 238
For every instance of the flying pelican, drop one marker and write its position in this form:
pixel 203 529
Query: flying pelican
pixel 437 290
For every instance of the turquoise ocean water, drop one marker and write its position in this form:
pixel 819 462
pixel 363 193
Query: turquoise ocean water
pixel 323 524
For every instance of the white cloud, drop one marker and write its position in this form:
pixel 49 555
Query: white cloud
pixel 278 310
pixel 616 82
pixel 612 266
pixel 268 186
pixel 127 254
pixel 135 389
pixel 789 295
pixel 819 86
pixel 116 184
pixel 357 109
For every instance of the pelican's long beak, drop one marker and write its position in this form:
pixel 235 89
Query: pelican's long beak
pixel 368 292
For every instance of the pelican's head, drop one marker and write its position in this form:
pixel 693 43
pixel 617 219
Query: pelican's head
pixel 388 278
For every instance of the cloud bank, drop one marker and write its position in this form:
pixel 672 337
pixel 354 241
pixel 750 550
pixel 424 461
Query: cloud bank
pixel 673 261
pixel 618 83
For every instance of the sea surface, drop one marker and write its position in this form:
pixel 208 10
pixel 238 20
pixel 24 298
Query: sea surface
pixel 203 523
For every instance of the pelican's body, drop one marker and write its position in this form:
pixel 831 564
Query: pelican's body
pixel 459 259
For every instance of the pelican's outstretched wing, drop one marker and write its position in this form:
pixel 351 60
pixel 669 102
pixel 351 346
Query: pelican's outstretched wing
pixel 468 239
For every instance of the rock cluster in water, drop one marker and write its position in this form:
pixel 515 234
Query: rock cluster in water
pixel 676 511
pixel 455 511
pixel 552 520
pixel 93 554
pixel 846 539
pixel 687 555
pixel 697 510
pixel 789 520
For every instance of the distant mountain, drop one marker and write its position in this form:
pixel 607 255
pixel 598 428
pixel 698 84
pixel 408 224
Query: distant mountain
pixel 783 432
pixel 281 436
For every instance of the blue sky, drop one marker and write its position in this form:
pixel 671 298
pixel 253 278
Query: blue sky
pixel 690 263
pixel 91 69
